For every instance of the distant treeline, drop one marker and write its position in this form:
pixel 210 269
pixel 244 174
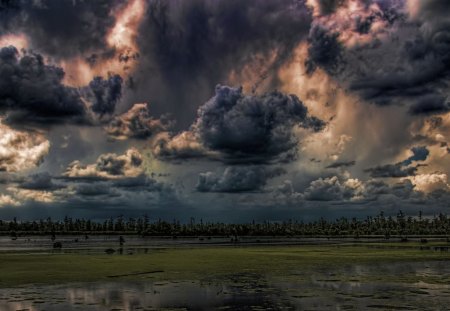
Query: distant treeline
pixel 378 225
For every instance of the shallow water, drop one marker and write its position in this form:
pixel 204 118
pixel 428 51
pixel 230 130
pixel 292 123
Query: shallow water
pixel 96 244
pixel 345 289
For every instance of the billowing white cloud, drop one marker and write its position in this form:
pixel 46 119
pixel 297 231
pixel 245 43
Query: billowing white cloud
pixel 136 123
pixel 108 166
pixel 20 151
pixel 430 182
pixel 7 200
pixel 23 195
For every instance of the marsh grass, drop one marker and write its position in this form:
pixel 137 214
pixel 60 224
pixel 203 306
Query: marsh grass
pixel 211 263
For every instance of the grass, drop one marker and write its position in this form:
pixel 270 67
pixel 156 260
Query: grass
pixel 207 263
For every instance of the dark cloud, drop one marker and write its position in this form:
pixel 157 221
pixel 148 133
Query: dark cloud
pixel 10 178
pixel 401 169
pixel 183 42
pixel 404 61
pixel 33 91
pixel 328 6
pixel 341 164
pixel 9 10
pixel 353 190
pixel 40 181
pixel 95 189
pixel 142 183
pixel 324 50
pixel 256 127
pixel 61 28
pixel 120 187
pixel 251 128
pixel 432 104
pixel 392 170
pixel 237 179
pixel 105 94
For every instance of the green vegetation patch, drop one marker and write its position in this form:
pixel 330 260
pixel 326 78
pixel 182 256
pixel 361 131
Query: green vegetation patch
pixel 203 264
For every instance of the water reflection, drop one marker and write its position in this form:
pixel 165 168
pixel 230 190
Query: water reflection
pixel 352 287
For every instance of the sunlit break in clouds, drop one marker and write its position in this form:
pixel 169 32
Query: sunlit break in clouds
pixel 225 110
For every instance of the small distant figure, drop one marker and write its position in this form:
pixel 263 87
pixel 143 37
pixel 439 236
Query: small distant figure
pixel 53 237
pixel 121 240
pixel 86 237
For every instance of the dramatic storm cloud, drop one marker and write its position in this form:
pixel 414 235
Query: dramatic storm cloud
pixel 32 91
pixel 75 27
pixel 384 52
pixel 224 110
pixel 248 128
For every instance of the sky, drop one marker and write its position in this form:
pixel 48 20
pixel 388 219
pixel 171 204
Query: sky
pixel 225 110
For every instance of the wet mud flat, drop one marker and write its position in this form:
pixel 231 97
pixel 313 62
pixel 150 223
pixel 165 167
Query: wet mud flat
pixel 338 276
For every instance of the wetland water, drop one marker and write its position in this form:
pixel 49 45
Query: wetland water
pixel 388 285
pixel 320 290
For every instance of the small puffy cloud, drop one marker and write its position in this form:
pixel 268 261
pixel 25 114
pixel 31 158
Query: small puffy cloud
pixel 246 128
pixel 7 200
pixel 136 123
pixel 237 179
pixel 21 150
pixel 23 195
pixel 332 189
pixel 108 166
pixel 185 145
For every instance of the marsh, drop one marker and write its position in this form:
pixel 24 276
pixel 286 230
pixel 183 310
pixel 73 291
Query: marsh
pixel 324 276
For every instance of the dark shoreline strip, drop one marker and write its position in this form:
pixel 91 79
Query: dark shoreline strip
pixel 137 273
